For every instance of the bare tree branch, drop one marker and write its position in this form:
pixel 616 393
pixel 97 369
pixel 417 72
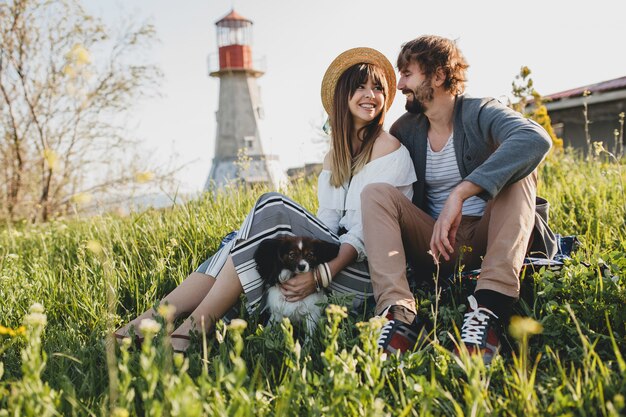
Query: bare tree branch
pixel 67 83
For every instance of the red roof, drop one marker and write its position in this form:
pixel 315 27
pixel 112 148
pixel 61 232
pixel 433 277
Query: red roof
pixel 233 16
pixel 604 86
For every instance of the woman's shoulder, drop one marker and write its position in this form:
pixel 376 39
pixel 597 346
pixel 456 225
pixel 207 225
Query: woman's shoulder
pixel 385 144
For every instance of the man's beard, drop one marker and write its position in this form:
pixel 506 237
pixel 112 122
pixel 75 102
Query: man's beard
pixel 421 95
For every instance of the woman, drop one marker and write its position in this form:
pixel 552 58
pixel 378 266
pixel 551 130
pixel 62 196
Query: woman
pixel 357 90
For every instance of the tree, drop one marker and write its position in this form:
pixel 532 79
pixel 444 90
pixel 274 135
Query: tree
pixel 525 93
pixel 66 85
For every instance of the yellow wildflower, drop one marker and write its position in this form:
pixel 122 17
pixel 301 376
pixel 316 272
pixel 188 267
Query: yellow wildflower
pixel 94 247
pixel 51 158
pixel 120 412
pixel 69 71
pixel 167 311
pixel 238 325
pixel 335 310
pixel 82 198
pixel 143 177
pixel 521 327
pixel 79 55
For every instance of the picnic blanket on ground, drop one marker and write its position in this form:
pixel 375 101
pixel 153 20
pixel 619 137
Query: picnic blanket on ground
pixel 466 282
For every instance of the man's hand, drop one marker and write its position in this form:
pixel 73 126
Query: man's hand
pixel 444 232
pixel 443 239
pixel 299 287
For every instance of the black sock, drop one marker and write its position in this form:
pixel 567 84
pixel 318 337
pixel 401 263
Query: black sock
pixel 501 305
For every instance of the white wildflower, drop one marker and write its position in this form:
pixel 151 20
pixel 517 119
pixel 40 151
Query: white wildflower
pixel 149 326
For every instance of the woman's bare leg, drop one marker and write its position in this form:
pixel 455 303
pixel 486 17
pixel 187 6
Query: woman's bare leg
pixel 221 297
pixel 185 298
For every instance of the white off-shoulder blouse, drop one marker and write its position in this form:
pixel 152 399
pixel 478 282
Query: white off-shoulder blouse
pixel 341 206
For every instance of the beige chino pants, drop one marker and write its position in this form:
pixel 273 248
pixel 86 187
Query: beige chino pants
pixel 395 230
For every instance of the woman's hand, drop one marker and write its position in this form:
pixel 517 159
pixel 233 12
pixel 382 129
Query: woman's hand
pixel 299 287
pixel 302 285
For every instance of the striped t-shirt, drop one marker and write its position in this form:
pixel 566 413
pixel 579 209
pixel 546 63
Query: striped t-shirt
pixel 442 175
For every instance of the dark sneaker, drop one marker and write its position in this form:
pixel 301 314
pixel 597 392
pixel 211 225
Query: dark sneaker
pixel 399 336
pixel 479 333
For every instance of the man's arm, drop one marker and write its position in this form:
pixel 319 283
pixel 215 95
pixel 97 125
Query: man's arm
pixel 521 146
pixel 444 232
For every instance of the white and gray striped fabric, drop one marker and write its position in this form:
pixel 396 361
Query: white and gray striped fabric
pixel 273 215
pixel 442 175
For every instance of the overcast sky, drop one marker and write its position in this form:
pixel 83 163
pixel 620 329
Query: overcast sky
pixel 566 44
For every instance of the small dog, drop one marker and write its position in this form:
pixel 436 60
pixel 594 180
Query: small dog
pixel 280 259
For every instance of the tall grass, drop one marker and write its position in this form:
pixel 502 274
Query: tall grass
pixel 57 363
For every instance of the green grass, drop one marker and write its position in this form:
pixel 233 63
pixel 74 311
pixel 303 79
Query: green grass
pixel 93 274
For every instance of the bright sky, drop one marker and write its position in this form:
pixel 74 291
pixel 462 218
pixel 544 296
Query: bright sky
pixel 566 44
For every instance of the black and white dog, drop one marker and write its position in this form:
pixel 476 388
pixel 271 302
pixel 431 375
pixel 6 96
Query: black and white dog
pixel 280 259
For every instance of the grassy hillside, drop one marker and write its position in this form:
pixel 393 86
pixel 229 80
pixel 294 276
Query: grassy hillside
pixel 91 275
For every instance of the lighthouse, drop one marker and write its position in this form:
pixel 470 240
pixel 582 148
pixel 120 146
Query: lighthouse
pixel 239 156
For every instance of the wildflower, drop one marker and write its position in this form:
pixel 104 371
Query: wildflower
pixel 79 55
pixel 335 310
pixel 466 249
pixel 521 327
pixel 69 71
pixel 374 324
pixel 120 412
pixel 126 342
pixel 149 326
pixel 13 256
pixel 51 158
pixel 143 177
pixel 378 407
pixel 167 311
pixel 94 246
pixel 36 319
pixel 618 399
pixel 297 350
pixel 598 147
pixel 173 242
pixel 36 308
pixel 179 360
pixel 82 198
pixel 238 325
pixel 525 71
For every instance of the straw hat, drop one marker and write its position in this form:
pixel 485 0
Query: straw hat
pixel 352 57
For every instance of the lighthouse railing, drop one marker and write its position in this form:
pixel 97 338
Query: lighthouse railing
pixel 213 63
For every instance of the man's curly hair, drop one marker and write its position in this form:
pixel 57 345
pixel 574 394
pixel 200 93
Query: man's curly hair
pixel 432 52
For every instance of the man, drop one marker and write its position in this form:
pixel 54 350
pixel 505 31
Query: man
pixel 476 163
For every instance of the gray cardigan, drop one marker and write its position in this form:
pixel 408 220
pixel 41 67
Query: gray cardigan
pixel 494 145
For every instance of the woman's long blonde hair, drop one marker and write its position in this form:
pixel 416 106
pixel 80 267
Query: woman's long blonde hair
pixel 343 165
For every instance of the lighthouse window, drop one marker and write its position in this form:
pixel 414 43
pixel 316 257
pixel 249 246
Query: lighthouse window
pixel 249 140
pixel 236 36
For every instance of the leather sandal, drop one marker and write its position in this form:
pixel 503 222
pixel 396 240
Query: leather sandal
pixel 181 337
pixel 137 340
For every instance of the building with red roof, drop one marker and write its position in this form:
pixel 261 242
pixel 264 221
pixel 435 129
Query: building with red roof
pixel 605 102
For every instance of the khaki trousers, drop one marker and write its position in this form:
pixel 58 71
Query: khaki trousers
pixel 395 231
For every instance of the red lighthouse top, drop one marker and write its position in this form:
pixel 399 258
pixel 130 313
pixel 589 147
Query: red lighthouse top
pixel 233 16
pixel 234 40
